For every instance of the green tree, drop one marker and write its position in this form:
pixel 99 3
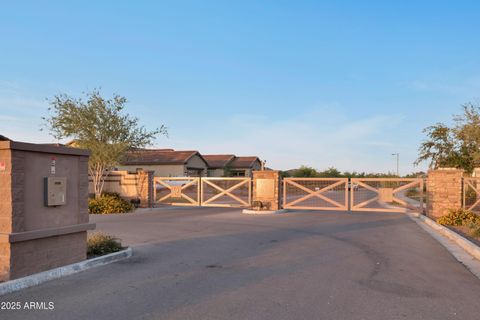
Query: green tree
pixel 456 146
pixel 331 172
pixel 227 171
pixel 305 172
pixel 100 125
pixel 284 174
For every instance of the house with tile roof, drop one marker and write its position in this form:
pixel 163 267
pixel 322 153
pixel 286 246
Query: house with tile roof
pixel 244 166
pixel 165 162
pixel 221 165
pixel 218 164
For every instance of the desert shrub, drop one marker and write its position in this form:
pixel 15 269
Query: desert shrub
pixel 459 217
pixel 100 244
pixel 475 230
pixel 109 203
pixel 470 196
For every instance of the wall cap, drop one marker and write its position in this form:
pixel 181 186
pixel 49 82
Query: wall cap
pixel 35 147
pixel 45 233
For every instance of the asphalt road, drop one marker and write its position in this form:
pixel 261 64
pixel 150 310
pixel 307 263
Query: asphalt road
pixel 212 263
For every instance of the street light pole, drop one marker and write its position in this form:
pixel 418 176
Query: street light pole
pixel 398 163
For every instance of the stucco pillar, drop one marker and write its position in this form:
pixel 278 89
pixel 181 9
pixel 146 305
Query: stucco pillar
pixel 444 191
pixel 36 235
pixel 266 190
pixel 145 188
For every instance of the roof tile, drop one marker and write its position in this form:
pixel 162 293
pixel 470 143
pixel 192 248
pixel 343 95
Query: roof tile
pixel 244 162
pixel 218 160
pixel 157 156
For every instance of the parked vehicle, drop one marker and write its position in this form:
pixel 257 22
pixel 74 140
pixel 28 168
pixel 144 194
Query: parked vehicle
pixel 352 186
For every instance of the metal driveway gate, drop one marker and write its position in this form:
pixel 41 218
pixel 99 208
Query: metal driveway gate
pixel 226 192
pixel 471 194
pixel 315 193
pixel 367 194
pixel 208 192
pixel 386 194
pixel 182 191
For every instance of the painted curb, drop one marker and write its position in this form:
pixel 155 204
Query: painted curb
pixel 463 243
pixel 38 278
pixel 248 211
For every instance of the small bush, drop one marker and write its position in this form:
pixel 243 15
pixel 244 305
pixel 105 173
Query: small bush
pixel 109 203
pixel 470 196
pixel 459 217
pixel 475 230
pixel 99 244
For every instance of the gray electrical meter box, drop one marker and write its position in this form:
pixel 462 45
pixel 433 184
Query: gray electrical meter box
pixel 55 191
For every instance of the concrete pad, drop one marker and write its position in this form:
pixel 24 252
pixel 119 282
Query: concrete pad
pixel 461 248
pixel 249 211
pixel 216 263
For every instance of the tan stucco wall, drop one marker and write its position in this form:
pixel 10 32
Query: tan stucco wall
pixel 120 182
pixel 444 191
pixel 128 185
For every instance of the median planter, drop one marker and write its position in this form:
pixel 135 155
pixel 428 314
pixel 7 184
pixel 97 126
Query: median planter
pixel 102 249
pixel 39 278
pixel 468 246
pixel 99 244
pixel 463 222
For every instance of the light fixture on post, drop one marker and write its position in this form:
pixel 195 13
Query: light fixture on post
pixel 398 163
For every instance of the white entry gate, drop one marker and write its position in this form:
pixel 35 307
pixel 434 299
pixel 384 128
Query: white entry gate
pixel 208 192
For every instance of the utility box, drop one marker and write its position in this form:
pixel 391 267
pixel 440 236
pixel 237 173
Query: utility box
pixel 55 191
pixel 43 207
pixel 266 189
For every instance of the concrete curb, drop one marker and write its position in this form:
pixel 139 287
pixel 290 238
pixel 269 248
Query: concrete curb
pixel 465 244
pixel 462 249
pixel 38 278
pixel 249 211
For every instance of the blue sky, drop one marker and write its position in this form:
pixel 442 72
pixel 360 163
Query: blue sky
pixel 344 83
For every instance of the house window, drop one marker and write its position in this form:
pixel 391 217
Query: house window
pixel 195 172
pixel 211 173
pixel 238 173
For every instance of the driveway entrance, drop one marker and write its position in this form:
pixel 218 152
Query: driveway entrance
pixel 200 191
pixel 342 194
pixel 217 263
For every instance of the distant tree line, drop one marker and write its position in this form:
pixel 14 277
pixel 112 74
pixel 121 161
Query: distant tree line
pixel 332 172
pixel 454 146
